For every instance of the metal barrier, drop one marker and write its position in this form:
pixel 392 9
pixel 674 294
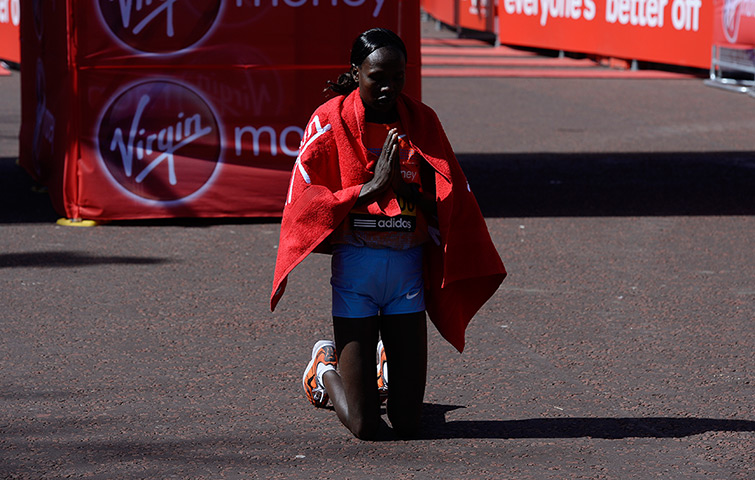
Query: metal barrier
pixel 726 61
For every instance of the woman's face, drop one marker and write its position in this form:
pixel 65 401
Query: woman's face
pixel 381 78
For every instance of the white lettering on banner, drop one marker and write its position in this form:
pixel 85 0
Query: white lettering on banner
pixel 643 13
pixel 184 132
pixel 167 7
pixel 572 9
pixel 315 3
pixel 527 7
pixel 256 133
pixel 733 11
pixel 685 14
pixel 158 26
pixel 569 9
pixel 10 12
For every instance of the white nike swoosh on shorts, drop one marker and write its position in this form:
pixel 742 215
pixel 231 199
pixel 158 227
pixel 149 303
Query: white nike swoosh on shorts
pixel 409 296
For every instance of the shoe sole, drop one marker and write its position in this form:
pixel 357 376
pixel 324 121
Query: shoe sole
pixel 317 347
pixel 382 392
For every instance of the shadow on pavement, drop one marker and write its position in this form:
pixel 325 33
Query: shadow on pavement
pixel 612 184
pixel 436 426
pixel 26 201
pixel 68 259
pixel 530 185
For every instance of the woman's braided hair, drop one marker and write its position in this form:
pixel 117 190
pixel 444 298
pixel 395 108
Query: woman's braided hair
pixel 364 45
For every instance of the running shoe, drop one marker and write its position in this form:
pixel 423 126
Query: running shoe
pixel 323 353
pixel 382 372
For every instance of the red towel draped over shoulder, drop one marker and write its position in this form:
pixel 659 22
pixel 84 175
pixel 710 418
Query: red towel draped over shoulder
pixel 461 273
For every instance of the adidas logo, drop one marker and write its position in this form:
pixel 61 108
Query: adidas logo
pixel 395 223
pixel 392 224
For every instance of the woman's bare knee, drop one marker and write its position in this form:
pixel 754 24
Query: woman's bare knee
pixel 365 428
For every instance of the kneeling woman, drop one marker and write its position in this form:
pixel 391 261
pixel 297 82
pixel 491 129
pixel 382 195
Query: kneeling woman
pixel 377 185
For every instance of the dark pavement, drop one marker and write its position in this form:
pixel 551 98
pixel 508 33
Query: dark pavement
pixel 620 346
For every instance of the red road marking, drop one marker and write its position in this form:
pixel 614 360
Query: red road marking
pixel 473 58
pixel 458 42
pixel 597 72
pixel 508 62
pixel 477 51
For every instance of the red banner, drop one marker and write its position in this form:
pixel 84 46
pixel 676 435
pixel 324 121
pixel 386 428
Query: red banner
pixel 46 137
pixel 676 32
pixel 734 23
pixel 166 109
pixel 10 18
pixel 442 10
pixel 232 32
pixel 472 14
pixel 477 15
pixel 666 31
pixel 194 143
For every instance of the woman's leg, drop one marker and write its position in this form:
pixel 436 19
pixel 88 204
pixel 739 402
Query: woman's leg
pixel 405 340
pixel 353 390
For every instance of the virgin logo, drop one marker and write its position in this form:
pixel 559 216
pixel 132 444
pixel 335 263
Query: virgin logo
pixel 159 26
pixel 160 141
pixel 733 12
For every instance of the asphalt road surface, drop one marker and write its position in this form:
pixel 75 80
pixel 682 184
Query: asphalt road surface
pixel 620 346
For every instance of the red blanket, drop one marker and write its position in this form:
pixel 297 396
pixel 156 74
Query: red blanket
pixel 461 273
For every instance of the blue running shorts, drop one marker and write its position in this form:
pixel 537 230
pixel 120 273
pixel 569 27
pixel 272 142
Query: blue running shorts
pixel 371 281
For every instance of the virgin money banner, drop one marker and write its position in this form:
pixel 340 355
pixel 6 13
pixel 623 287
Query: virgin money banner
pixel 734 23
pixel 199 143
pixel 10 19
pixel 675 32
pixel 230 32
pixel 153 109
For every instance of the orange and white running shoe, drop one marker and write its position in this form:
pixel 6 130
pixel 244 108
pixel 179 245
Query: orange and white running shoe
pixel 382 372
pixel 323 357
